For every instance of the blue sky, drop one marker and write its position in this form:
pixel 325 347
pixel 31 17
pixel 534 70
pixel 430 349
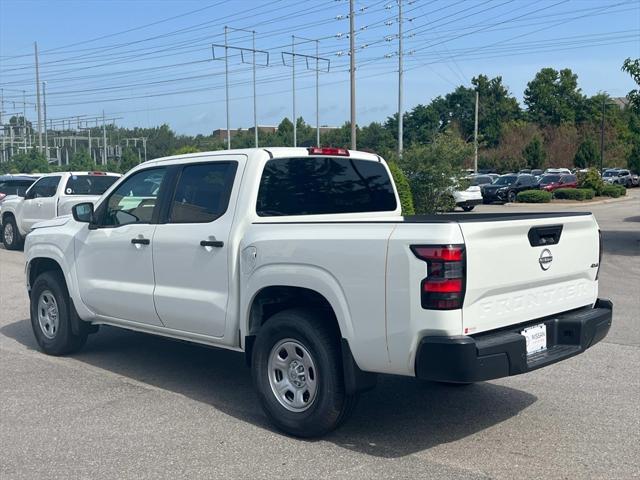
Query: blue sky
pixel 150 62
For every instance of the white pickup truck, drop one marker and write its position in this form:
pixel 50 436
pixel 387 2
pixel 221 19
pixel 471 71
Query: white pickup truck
pixel 50 196
pixel 301 259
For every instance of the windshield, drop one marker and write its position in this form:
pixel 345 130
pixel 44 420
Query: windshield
pixel 506 180
pixel 610 173
pixel 545 180
pixel 15 187
pixel 89 184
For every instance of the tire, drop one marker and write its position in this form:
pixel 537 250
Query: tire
pixel 468 208
pixel 511 197
pixel 51 312
pixel 11 238
pixel 321 403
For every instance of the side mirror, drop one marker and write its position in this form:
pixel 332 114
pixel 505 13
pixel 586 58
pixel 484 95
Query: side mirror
pixel 83 212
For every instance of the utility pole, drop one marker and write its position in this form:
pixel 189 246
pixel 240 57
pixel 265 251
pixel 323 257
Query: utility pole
pixel 24 119
pixel 35 46
pixel 317 93
pixel 352 69
pixel 400 66
pixel 226 84
pixel 475 137
pixel 44 104
pixel 104 140
pixel 255 110
pixel 604 99
pixel 293 78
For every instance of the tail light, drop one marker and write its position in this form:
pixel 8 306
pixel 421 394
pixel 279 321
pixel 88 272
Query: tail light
pixel 2 195
pixel 444 287
pixel 600 246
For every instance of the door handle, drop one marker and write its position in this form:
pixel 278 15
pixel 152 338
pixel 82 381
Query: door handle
pixel 212 243
pixel 140 241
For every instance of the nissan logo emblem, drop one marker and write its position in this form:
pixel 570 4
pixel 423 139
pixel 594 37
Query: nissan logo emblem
pixel 545 259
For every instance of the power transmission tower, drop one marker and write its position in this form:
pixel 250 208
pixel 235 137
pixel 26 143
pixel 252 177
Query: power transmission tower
pixel 317 69
pixel 352 70
pixel 35 46
pixel 242 51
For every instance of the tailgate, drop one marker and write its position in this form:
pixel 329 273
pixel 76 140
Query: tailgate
pixel 520 270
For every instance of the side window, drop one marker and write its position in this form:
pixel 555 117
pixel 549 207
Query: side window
pixel 202 192
pixel 45 187
pixel 135 200
pixel 525 180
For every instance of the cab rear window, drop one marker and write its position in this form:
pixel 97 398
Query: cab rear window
pixel 89 184
pixel 324 185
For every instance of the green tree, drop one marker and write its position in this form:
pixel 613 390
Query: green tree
pixel 31 161
pixel 534 154
pixel 404 190
pixel 185 149
pixel 433 171
pixel 587 154
pixel 496 106
pixel 632 67
pixel 80 160
pixel 633 162
pixel 129 159
pixel 553 97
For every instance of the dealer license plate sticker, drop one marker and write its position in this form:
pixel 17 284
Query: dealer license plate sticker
pixel 536 337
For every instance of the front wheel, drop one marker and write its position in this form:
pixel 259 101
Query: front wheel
pixel 511 197
pixel 297 371
pixel 467 208
pixel 11 238
pixel 51 316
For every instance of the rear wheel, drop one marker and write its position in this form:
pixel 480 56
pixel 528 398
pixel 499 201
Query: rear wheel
pixel 511 197
pixel 51 316
pixel 467 208
pixel 11 238
pixel 297 371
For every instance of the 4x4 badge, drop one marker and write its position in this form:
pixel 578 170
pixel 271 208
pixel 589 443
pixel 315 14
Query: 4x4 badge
pixel 545 259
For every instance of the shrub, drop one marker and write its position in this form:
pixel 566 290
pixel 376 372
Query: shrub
pixel 613 191
pixel 591 180
pixel 579 194
pixel 404 190
pixel 534 196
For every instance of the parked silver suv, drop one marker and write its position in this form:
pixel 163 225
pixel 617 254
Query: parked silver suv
pixel 619 176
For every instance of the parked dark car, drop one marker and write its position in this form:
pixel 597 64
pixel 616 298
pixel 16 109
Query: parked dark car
pixel 15 184
pixel 553 181
pixel 507 187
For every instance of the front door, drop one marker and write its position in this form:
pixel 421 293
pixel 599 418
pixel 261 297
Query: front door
pixel 191 248
pixel 114 261
pixel 40 202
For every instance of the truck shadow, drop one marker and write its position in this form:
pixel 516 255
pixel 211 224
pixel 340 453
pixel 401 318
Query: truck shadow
pixel 621 242
pixel 400 417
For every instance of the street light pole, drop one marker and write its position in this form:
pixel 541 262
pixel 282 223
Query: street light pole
pixel 352 69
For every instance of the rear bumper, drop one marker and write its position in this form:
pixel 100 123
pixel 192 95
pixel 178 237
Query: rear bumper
pixel 503 353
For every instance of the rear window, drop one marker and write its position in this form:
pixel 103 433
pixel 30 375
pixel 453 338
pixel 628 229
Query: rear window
pixel 479 180
pixel 15 187
pixel 89 184
pixel 320 185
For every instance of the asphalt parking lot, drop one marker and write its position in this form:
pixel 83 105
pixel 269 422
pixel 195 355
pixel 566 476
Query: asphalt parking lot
pixel 137 406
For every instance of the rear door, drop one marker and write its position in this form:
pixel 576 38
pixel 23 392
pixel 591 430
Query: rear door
pixel 40 202
pixel 191 248
pixel 520 270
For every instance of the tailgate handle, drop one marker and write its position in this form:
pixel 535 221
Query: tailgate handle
pixel 542 236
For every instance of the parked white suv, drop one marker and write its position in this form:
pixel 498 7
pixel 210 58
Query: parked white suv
pixel 300 258
pixel 50 196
